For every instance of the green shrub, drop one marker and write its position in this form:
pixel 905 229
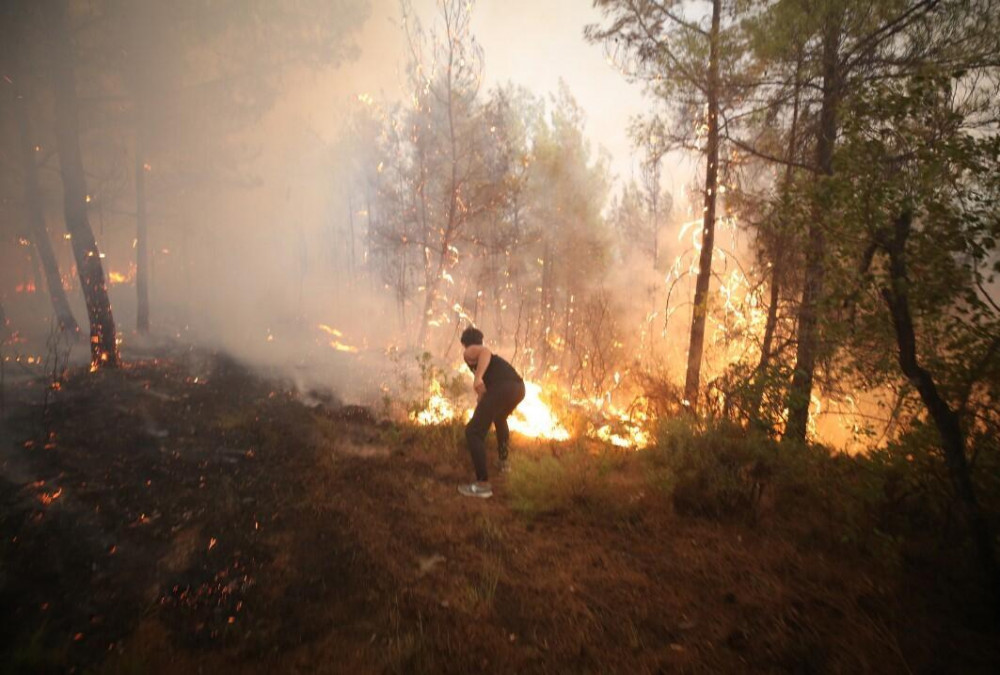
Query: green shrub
pixel 726 473
pixel 721 473
pixel 918 493
pixel 572 479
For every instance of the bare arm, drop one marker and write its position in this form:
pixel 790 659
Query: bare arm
pixel 481 356
pixel 482 363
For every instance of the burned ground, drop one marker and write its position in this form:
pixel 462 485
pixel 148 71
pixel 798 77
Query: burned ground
pixel 184 515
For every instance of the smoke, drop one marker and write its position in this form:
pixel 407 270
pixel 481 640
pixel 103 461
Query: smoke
pixel 247 232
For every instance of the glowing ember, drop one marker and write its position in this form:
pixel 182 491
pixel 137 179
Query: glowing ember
pixel 47 498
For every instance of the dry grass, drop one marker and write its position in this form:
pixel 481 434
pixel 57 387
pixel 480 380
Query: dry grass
pixel 589 559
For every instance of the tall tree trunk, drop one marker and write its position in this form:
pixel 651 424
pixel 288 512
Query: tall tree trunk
pixel 800 391
pixel 430 299
pixel 945 419
pixel 103 347
pixel 452 223
pixel 36 219
pixel 351 263
pixel 700 312
pixel 141 226
pixel 777 265
pixel 4 334
pixel 766 344
pixel 545 304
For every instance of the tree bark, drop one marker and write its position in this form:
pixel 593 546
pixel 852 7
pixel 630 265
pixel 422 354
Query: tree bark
pixel 36 219
pixel 807 347
pixel 141 225
pixel 778 259
pixel 700 312
pixel 770 325
pixel 546 300
pixel 452 224
pixel 103 346
pixel 945 419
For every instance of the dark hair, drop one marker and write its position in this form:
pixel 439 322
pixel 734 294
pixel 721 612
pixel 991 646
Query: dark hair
pixel 471 336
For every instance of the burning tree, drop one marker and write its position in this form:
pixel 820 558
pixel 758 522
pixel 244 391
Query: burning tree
pixel 830 50
pixel 486 203
pixel 103 339
pixel 689 62
pixel 34 204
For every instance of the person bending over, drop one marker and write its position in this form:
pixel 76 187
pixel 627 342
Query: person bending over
pixel 499 389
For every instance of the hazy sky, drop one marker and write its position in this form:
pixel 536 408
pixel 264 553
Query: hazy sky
pixel 537 42
pixel 529 42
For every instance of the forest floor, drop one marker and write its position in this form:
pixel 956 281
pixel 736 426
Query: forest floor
pixel 183 515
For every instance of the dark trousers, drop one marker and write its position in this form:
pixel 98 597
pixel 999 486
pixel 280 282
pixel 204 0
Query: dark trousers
pixel 494 408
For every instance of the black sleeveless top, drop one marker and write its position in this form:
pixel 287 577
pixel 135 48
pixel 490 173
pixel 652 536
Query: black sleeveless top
pixel 499 370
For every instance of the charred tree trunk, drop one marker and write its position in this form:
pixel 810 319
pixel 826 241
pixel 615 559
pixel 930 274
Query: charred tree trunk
pixel 945 419
pixel 36 220
pixel 141 226
pixel 807 347
pixel 103 347
pixel 700 312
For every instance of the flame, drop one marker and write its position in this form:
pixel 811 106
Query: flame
pixel 438 409
pixel 336 343
pixel 625 431
pixel 533 417
pixel 128 276
pixel 330 331
pixel 621 428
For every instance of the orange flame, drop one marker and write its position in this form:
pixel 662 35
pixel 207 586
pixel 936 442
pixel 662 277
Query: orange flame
pixel 532 418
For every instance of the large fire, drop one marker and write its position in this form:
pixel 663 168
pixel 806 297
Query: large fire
pixel 534 417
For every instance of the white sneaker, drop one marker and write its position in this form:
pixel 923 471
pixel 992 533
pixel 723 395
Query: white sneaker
pixel 476 490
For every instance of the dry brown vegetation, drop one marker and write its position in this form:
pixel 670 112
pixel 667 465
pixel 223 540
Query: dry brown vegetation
pixel 183 515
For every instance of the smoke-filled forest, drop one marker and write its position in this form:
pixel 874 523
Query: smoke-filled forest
pixel 444 336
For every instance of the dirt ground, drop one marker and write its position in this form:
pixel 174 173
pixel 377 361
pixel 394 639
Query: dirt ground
pixel 185 515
